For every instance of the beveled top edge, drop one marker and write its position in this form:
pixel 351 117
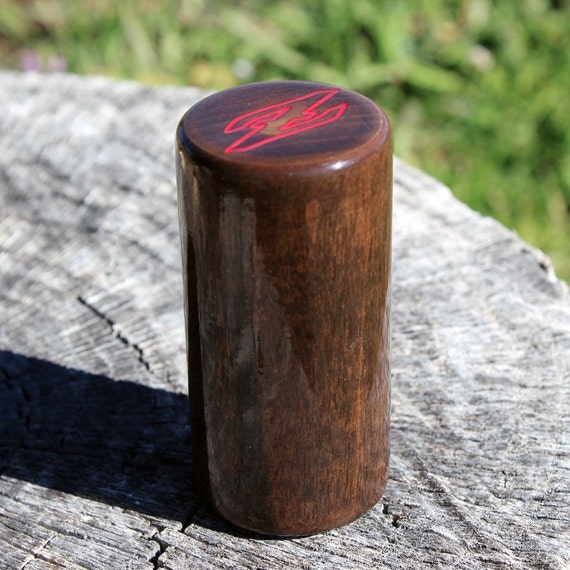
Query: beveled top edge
pixel 297 126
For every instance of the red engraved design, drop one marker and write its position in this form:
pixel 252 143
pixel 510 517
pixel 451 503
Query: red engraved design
pixel 274 122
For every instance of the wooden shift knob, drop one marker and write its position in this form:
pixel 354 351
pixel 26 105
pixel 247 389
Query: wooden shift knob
pixel 285 215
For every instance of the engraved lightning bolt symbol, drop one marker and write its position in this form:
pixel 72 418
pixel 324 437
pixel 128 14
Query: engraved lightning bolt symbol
pixel 284 119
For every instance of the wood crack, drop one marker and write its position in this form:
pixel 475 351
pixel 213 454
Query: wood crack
pixel 162 546
pixel 23 403
pixel 36 554
pixel 117 333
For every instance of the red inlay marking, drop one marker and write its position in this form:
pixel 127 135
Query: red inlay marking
pixel 274 118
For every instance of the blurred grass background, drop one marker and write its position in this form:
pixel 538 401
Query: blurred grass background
pixel 478 90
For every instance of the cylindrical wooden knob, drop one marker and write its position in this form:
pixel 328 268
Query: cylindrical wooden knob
pixel 285 214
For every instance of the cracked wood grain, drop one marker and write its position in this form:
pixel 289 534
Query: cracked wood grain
pixel 95 450
pixel 117 333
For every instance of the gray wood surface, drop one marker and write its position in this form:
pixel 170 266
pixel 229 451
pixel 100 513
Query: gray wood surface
pixel 95 452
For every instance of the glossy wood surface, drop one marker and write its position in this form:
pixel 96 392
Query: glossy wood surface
pixel 285 215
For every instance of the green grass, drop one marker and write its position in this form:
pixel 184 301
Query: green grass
pixel 478 90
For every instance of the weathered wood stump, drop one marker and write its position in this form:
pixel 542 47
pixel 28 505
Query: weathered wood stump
pixel 95 448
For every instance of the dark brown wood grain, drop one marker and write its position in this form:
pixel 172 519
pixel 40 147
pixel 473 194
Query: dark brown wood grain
pixel 285 215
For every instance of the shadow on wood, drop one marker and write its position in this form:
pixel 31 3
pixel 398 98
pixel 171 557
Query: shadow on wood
pixel 112 441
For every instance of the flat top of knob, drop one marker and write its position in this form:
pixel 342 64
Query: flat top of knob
pixel 284 125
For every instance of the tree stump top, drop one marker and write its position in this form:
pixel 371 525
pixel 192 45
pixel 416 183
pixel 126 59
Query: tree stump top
pixel 95 452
